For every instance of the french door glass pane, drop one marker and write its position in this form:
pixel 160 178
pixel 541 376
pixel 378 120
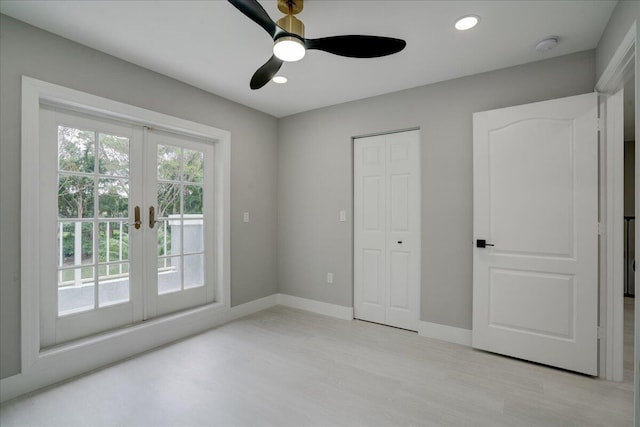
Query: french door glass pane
pixel 113 241
pixel 113 284
pixel 92 186
pixel 114 155
pixel 75 243
pixel 181 225
pixel 193 234
pixel 75 150
pixel 169 162
pixel 76 290
pixel 193 271
pixel 169 274
pixel 193 166
pixel 113 198
pixel 192 196
pixel 75 196
pixel 169 200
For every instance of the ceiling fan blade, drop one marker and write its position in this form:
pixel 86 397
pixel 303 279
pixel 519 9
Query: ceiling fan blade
pixel 357 46
pixel 255 12
pixel 265 73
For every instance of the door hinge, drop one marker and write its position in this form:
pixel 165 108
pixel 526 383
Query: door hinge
pixel 601 333
pixel 600 229
pixel 600 124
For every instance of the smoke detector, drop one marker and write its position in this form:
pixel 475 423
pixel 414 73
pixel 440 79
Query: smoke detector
pixel 547 44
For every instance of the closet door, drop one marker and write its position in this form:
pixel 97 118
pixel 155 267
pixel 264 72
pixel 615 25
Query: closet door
pixel 370 229
pixel 387 229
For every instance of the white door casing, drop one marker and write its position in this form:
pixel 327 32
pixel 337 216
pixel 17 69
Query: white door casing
pixel 387 229
pixel 535 293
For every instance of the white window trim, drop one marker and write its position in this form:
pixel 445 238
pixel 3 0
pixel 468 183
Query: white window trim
pixel 41 368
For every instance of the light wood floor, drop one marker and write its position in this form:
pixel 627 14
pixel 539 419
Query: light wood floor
pixel 284 367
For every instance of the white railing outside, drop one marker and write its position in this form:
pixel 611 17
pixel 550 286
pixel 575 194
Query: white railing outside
pixel 175 221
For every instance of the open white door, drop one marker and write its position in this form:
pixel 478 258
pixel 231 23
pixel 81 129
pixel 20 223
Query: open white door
pixel 535 283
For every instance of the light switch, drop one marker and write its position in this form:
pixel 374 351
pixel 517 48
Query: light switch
pixel 343 216
pixel 245 217
pixel 329 277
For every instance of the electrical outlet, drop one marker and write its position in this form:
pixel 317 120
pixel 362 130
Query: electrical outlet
pixel 245 217
pixel 343 216
pixel 329 277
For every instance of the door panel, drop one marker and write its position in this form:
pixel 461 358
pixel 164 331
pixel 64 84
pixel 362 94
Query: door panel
pixel 372 188
pixel 531 187
pixel 516 298
pixel 369 226
pixel 399 292
pixel 386 229
pixel 535 200
pixel 372 273
pixel 399 198
pixel 403 238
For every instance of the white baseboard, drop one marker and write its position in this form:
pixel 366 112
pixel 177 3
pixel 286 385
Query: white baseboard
pixel 251 307
pixel 445 333
pixel 332 310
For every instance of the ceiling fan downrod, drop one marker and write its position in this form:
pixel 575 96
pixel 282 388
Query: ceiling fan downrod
pixel 289 22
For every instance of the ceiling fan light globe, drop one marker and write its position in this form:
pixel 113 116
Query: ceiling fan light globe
pixel 289 49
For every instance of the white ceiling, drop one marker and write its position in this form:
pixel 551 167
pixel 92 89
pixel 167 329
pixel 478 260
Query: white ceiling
pixel 211 45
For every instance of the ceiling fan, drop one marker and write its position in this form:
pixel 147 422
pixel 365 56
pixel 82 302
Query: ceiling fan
pixel 290 44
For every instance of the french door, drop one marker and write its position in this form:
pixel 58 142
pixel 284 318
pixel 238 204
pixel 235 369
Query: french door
pixel 128 224
pixel 179 223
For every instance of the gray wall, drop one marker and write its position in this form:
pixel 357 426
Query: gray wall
pixel 623 15
pixel 25 50
pixel 315 179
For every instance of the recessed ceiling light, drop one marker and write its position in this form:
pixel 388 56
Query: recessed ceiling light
pixel 467 22
pixel 279 79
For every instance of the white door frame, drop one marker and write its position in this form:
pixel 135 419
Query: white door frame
pixel 624 62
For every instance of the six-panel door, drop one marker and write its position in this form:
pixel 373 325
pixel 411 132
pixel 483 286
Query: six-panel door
pixel 386 229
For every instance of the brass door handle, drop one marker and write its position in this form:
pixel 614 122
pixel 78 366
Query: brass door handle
pixel 136 215
pixel 152 217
